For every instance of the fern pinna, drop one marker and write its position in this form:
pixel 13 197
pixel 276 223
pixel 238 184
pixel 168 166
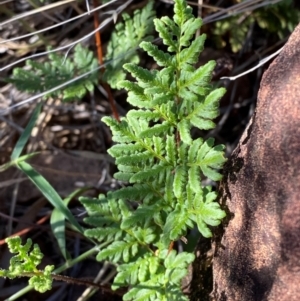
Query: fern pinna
pixel 164 166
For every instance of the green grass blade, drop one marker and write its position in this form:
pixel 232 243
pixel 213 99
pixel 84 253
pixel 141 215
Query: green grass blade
pixel 26 134
pixel 57 222
pixel 14 162
pixel 49 192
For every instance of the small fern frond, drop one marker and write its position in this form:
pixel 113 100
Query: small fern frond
pixel 179 181
pixel 103 233
pixel 176 225
pixel 203 114
pixel 148 174
pixel 105 215
pixel 25 262
pixel 206 212
pixel 125 40
pixel 134 272
pixel 142 216
pixel 137 192
pixel 210 159
pixel 184 128
pixel 190 55
pixel 162 58
pixel 117 250
pixel 41 77
pixel 165 28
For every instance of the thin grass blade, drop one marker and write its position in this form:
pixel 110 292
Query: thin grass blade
pixel 26 134
pixel 57 222
pixel 49 192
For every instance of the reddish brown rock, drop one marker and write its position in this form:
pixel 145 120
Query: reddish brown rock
pixel 258 256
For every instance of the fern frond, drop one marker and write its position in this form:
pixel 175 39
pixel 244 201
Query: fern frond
pixel 203 114
pixel 210 159
pixel 194 178
pixel 134 272
pixel 180 180
pixel 119 250
pixel 42 77
pixel 121 131
pixel 162 58
pixel 171 153
pixel 162 163
pixel 190 55
pixel 156 130
pixel 133 193
pixel 166 28
pixel 199 79
pixel 125 40
pixel 206 212
pixel 147 174
pixel 141 74
pixel 184 128
pixel 103 232
pixel 176 224
pixel 142 216
pixel 134 158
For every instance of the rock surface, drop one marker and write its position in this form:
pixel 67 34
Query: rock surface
pixel 258 256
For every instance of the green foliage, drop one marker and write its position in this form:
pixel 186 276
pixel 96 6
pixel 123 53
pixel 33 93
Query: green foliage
pixel 156 154
pixel 41 77
pixel 277 18
pixel 25 263
pixel 124 41
pixel 164 165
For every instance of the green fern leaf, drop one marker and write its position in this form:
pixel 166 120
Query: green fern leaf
pixel 156 130
pixel 210 159
pixel 119 149
pixel 107 233
pixel 146 114
pixel 125 40
pixel 194 179
pixel 209 109
pixel 182 12
pixel 121 131
pixel 183 152
pixel 171 149
pixel 142 216
pixel 166 33
pixel 190 55
pixel 140 294
pixel 162 58
pixel 169 196
pixel 184 128
pixel 45 76
pixel 147 174
pixel 193 150
pixel 141 74
pixel 207 212
pixel 162 163
pixel 137 192
pixel 127 274
pixel 134 158
pixel 189 28
pixel 179 181
pixel 118 250
pixel 176 224
pixel 195 81
pixel 201 123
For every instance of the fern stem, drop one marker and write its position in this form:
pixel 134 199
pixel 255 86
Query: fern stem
pixel 100 60
pixel 97 35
